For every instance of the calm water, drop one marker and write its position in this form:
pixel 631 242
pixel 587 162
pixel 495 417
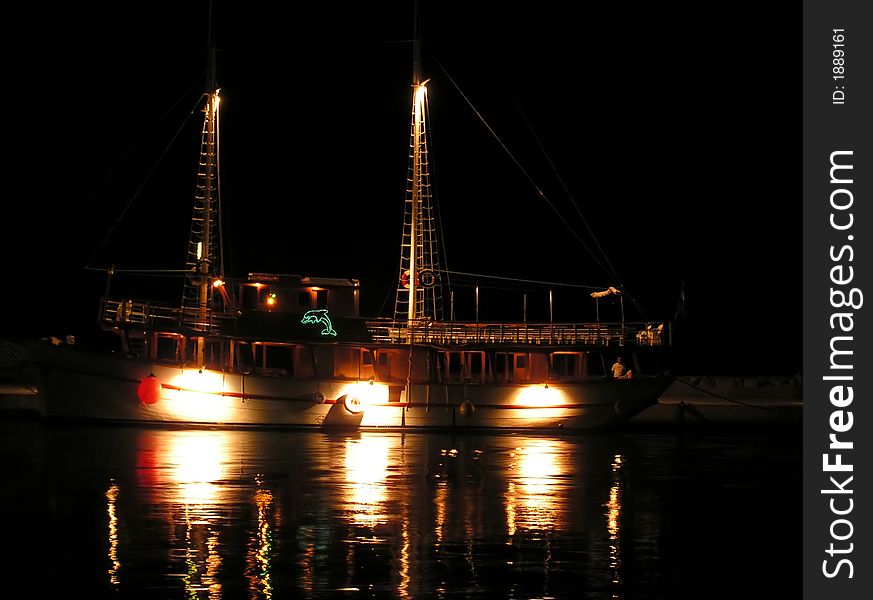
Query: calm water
pixel 150 513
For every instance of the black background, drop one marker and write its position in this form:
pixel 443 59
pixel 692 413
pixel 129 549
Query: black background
pixel 668 126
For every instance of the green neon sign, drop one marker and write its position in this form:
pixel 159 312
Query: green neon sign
pixel 319 316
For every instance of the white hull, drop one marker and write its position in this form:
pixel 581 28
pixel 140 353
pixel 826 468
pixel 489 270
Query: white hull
pixel 76 384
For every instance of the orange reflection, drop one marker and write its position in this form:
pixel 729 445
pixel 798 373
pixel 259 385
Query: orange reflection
pixel 195 462
pixel 403 585
pixel 441 496
pixel 613 513
pixel 534 495
pixel 112 510
pixel 261 548
pixel 196 459
pixel 306 540
pixel 366 465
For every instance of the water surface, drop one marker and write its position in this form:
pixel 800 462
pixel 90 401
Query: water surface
pixel 165 513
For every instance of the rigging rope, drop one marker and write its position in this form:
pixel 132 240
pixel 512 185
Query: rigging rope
pixel 145 180
pixel 515 279
pixel 604 264
pixel 539 191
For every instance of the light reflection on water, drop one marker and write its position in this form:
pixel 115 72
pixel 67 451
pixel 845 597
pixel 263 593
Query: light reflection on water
pixel 534 499
pixel 366 469
pixel 261 515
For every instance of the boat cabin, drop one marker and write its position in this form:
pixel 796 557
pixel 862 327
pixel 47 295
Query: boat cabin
pixel 296 294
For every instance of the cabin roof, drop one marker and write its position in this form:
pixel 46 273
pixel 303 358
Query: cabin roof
pixel 304 280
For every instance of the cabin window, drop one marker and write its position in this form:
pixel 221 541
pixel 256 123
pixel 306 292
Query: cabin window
pixel 367 370
pixel 354 363
pixel 399 367
pixel 321 299
pixel 475 366
pixel 454 368
pixel 348 363
pixel 460 367
pixel 504 367
pixel 303 362
pixel 566 365
pixel 273 359
pixel 511 367
pixel 245 360
pixel 304 299
pixel 249 296
pixel 168 348
pixel 383 371
pixel 213 355
pixel 323 359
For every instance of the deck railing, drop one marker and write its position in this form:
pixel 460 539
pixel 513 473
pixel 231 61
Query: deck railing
pixel 148 314
pixel 130 312
pixel 588 334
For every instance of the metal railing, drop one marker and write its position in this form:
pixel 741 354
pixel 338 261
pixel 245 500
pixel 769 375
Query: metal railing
pixel 128 312
pixel 148 314
pixel 577 334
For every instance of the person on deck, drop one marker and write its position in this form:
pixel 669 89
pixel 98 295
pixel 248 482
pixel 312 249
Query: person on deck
pixel 619 371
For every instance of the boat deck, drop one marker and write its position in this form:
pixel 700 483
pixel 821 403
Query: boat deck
pixel 423 331
pixel 576 334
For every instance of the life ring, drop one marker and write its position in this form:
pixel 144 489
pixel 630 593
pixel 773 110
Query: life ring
pixel 427 279
pixel 404 279
pixel 352 404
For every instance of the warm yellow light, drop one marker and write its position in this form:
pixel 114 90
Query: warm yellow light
pixel 197 459
pixel 353 404
pixel 217 283
pixel 613 519
pixel 197 396
pixel 112 509
pixel 538 463
pixel 368 393
pixel 533 496
pixel 199 250
pixel 262 551
pixel 540 396
pixel 366 464
pixel 421 92
pixel 271 300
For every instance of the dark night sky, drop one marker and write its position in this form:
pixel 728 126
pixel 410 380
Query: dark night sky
pixel 667 127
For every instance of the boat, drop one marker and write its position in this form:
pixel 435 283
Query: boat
pixel 284 350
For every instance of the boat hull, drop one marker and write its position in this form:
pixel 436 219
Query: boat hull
pixel 77 384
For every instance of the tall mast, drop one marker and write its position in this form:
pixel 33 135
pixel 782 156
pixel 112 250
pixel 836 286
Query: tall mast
pixel 204 262
pixel 417 127
pixel 419 290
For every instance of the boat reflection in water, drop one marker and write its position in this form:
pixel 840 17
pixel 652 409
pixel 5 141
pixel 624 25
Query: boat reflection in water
pixel 613 523
pixel 111 499
pixel 366 471
pixel 220 514
pixel 534 499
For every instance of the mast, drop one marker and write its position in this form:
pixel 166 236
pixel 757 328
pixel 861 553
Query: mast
pixel 204 262
pixel 418 290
